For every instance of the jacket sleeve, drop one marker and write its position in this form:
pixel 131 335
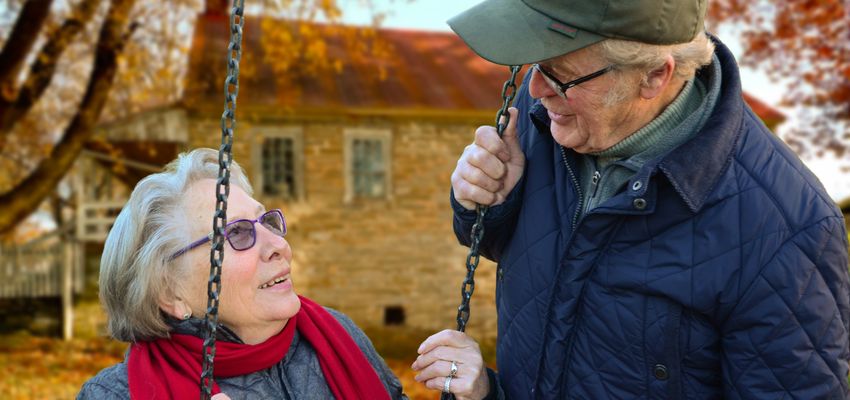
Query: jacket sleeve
pixel 499 224
pixel 787 334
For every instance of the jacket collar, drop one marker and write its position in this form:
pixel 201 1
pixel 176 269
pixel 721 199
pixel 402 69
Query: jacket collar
pixel 196 327
pixel 695 167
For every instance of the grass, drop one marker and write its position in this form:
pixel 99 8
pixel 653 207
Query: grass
pixel 50 368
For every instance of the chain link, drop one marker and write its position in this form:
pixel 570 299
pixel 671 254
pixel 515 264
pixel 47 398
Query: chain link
pixel 222 190
pixel 509 90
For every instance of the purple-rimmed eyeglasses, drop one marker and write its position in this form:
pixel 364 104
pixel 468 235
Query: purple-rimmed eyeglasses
pixel 242 233
pixel 561 88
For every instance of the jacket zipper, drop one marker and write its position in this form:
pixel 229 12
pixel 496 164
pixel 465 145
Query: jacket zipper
pixel 578 190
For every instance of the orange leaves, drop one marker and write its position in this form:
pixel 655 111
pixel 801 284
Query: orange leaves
pixel 42 368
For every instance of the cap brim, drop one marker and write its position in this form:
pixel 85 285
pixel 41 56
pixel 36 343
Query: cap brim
pixel 508 32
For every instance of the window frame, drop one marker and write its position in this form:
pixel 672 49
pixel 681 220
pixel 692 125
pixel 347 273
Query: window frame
pixel 296 134
pixel 384 136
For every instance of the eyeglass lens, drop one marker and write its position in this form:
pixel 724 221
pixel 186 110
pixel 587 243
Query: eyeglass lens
pixel 274 222
pixel 242 234
pixel 555 86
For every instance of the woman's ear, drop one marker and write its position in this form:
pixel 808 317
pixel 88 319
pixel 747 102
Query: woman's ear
pixel 175 307
pixel 657 80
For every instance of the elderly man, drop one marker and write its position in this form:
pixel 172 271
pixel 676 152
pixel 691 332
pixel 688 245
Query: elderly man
pixel 654 239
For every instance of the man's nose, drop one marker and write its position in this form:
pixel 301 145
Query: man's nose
pixel 537 86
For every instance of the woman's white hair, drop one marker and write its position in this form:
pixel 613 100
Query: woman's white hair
pixel 642 57
pixel 135 270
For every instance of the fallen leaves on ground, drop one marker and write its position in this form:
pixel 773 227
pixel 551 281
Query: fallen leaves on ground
pixel 50 368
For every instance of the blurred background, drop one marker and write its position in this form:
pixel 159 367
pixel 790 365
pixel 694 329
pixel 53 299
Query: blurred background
pixel 351 116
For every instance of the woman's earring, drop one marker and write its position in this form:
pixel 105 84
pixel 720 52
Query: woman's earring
pixel 187 315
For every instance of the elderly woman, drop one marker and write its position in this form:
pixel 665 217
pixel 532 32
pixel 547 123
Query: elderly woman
pixel 272 343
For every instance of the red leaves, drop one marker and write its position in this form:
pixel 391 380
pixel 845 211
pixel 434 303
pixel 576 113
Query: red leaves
pixel 806 41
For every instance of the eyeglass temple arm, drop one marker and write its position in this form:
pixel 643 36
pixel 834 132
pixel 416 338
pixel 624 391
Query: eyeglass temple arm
pixel 192 246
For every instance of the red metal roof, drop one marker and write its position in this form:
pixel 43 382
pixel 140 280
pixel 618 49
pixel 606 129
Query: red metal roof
pixel 427 70
pixel 764 111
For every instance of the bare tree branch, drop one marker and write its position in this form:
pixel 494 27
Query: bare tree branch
pixel 25 197
pixel 44 66
pixel 19 43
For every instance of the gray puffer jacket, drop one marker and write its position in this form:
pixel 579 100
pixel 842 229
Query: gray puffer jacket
pixel 297 376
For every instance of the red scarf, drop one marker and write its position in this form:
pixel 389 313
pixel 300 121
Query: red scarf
pixel 171 368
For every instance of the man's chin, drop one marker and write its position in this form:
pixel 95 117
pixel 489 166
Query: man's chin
pixel 564 136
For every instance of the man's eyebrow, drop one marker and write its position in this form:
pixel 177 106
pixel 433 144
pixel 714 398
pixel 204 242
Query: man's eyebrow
pixel 561 69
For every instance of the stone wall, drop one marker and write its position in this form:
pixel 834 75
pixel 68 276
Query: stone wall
pixel 366 255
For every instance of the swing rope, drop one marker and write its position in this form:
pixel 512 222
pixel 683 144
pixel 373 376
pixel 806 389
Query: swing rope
pixel 222 191
pixel 509 90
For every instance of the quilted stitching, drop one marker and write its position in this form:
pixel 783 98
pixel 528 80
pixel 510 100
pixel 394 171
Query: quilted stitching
pixel 758 290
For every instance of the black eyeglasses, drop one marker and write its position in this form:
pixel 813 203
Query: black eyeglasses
pixel 561 88
pixel 242 234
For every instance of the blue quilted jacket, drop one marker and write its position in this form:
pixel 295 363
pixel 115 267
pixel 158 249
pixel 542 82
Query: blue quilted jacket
pixel 719 271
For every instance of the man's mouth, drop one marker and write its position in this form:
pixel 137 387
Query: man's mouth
pixel 558 118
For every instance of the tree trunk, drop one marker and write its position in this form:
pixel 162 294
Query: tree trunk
pixel 19 44
pixel 25 197
pixel 13 108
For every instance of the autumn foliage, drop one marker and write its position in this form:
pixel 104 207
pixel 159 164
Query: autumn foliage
pixel 67 67
pixel 806 42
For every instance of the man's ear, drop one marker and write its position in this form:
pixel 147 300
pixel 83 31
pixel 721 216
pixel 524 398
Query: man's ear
pixel 657 80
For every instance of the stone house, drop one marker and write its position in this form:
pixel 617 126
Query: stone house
pixel 359 165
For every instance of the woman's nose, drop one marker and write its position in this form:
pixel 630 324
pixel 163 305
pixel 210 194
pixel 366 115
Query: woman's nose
pixel 273 246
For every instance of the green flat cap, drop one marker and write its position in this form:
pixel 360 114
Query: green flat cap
pixel 516 32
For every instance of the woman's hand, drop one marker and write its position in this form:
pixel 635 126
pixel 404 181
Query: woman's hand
pixel 220 396
pixel 434 365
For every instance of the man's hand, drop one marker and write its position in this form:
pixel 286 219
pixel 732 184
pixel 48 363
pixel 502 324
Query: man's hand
pixel 490 167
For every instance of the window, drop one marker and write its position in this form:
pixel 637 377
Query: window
pixel 394 315
pixel 367 164
pixel 278 160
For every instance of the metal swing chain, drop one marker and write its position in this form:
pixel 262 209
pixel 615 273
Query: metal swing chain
pixel 509 90
pixel 222 191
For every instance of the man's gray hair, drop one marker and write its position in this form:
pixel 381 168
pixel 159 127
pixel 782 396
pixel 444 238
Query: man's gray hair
pixel 630 55
pixel 135 270
pixel 689 56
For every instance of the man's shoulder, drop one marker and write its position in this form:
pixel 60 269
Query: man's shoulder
pixel 765 165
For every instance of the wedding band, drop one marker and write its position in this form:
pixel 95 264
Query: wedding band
pixel 447 385
pixel 453 372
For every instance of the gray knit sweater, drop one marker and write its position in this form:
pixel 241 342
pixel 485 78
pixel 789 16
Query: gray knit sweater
pixel 604 174
pixel 297 376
